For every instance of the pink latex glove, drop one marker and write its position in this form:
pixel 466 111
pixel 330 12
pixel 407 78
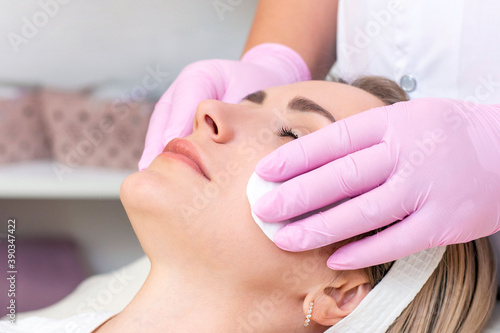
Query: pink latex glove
pixel 434 164
pixel 263 66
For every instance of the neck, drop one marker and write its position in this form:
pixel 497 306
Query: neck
pixel 174 302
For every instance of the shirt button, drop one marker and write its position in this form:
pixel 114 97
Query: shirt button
pixel 408 83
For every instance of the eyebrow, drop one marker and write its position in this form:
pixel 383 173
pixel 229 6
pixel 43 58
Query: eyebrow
pixel 256 97
pixel 298 103
pixel 303 104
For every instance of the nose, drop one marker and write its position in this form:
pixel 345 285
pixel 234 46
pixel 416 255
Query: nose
pixel 215 119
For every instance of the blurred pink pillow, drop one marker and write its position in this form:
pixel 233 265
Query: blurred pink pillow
pixel 90 131
pixel 22 137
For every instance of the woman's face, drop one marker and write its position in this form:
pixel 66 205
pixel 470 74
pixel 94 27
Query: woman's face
pixel 197 212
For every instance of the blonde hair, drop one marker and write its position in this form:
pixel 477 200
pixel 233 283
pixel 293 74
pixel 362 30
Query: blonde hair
pixel 460 295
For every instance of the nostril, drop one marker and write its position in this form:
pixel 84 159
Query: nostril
pixel 211 123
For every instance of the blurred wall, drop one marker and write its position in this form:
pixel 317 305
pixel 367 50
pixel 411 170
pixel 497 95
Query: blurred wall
pixel 76 43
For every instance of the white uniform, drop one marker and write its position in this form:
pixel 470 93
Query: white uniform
pixel 446 48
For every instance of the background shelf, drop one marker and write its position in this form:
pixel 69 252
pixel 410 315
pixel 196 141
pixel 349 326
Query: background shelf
pixel 46 180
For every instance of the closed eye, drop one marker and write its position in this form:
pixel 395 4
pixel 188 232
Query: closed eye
pixel 287 131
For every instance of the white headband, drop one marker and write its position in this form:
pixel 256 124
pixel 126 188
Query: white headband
pixel 385 302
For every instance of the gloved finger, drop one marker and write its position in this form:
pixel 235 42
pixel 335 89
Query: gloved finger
pixel 169 119
pixel 195 86
pixel 327 144
pixel 154 137
pixel 397 241
pixel 369 211
pixel 346 177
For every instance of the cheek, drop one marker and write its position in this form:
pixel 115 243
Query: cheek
pixel 231 229
pixel 236 233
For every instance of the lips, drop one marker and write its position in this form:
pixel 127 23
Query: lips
pixel 187 152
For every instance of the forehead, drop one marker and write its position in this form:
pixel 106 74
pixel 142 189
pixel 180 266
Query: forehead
pixel 341 100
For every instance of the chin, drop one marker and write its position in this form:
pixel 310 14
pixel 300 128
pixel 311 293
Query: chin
pixel 156 196
pixel 150 202
pixel 142 190
pixel 129 192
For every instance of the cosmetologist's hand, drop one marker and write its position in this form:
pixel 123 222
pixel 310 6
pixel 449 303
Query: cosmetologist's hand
pixel 434 164
pixel 261 67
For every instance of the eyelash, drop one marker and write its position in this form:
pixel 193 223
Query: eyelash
pixel 287 131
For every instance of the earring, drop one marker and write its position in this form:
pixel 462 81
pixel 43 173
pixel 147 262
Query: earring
pixel 308 317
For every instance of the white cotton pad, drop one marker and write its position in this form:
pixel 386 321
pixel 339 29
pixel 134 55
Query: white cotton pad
pixel 256 188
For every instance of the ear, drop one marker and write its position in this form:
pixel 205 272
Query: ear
pixel 335 301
